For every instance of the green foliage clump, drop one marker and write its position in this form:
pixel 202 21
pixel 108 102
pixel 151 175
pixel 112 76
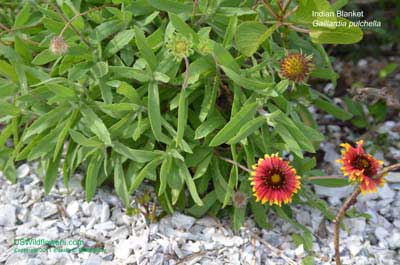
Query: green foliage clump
pixel 184 96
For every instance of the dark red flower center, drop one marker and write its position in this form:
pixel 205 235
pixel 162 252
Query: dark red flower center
pixel 362 162
pixel 275 178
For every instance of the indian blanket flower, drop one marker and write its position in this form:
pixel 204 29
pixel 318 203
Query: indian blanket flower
pixel 179 46
pixel 296 67
pixel 361 167
pixel 274 180
pixel 58 46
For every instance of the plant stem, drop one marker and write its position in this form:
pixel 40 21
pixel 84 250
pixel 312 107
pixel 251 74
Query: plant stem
pixel 69 22
pixel 72 26
pixel 348 203
pixel 288 14
pixel 298 29
pixel 269 8
pixel 230 161
pixel 286 6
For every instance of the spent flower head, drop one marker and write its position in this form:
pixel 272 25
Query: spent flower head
pixel 58 46
pixel 296 67
pixel 239 199
pixel 274 180
pixel 179 46
pixel 361 167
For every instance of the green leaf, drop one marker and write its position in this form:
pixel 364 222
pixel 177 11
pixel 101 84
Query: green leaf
pixel 183 28
pixel 260 214
pixel 234 125
pixel 212 123
pixel 51 173
pixel 44 57
pixel 171 6
pixel 153 107
pixel 143 173
pixel 140 156
pixel 145 49
pixel 128 91
pixel 239 216
pixel 378 110
pixel 23 15
pixel 92 172
pixel 46 121
pixel 118 42
pixel 248 128
pixel 289 140
pixel 7 70
pixel 120 183
pixel 305 12
pixel 210 95
pixel 165 172
pixel 8 109
pixel 308 260
pixel 80 139
pixel 346 34
pixel 129 73
pixel 252 84
pixel 332 109
pixel 209 200
pixel 251 34
pixel 202 167
pixel 331 182
pixel 79 70
pixel 182 117
pixel 230 31
pixel 106 29
pixel 183 170
pixel 64 132
pixel 96 125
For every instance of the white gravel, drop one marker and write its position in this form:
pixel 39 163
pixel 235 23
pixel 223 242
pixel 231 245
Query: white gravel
pixel 25 212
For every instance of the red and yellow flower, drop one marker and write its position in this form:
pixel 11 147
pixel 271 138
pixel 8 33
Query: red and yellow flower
pixel 361 167
pixel 274 181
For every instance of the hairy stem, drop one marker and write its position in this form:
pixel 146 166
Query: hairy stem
pixel 269 8
pixel 72 26
pixel 68 24
pixel 347 204
pixel 230 161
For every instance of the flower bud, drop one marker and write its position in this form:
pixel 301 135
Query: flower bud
pixel 179 46
pixel 296 67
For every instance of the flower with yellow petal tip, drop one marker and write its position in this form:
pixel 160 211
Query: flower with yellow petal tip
pixel 274 181
pixel 361 167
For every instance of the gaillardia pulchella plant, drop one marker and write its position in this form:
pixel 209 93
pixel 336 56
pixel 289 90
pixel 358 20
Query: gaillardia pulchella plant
pixel 117 104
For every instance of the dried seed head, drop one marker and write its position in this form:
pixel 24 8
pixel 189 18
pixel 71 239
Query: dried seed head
pixel 179 46
pixel 239 199
pixel 58 46
pixel 296 67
